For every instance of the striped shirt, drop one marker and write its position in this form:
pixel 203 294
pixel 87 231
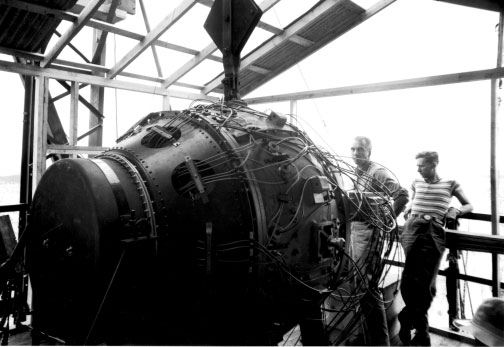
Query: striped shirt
pixel 433 198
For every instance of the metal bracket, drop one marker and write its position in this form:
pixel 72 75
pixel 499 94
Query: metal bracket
pixel 209 248
pixel 195 176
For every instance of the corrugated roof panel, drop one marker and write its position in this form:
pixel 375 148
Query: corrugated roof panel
pixel 28 31
pixel 330 25
pixel 334 22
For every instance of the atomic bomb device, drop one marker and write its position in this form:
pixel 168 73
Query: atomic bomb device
pixel 218 224
pixel 216 217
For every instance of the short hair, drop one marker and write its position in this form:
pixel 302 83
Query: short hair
pixel 366 141
pixel 429 156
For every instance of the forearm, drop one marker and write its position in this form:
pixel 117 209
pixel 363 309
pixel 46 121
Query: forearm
pixel 465 209
pixel 453 212
pixel 399 204
pixel 465 205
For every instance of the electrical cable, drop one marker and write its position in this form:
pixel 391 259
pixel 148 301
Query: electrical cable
pixel 298 161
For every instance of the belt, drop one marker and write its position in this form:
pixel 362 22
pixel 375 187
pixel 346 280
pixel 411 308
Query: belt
pixel 428 217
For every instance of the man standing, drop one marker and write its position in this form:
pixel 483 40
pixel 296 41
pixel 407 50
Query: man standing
pixel 374 183
pixel 423 241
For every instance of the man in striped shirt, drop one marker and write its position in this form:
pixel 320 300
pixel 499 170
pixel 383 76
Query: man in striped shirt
pixel 423 241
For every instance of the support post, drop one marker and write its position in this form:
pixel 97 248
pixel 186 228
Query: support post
pixel 293 110
pixel 40 129
pixel 97 97
pixel 74 114
pixel 26 153
pixel 494 170
pixel 166 103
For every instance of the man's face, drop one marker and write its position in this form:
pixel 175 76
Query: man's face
pixel 360 153
pixel 426 169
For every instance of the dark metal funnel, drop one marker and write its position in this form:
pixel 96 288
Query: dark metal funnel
pixel 230 24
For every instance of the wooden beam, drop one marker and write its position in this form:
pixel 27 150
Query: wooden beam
pixel 191 64
pixel 153 47
pixel 188 85
pixel 471 76
pixel 152 36
pixel 481 217
pixel 73 48
pixel 65 38
pixel 466 339
pixel 14 208
pixel 100 46
pixel 185 50
pixel 166 105
pixel 494 170
pixel 22 54
pixel 64 94
pixel 97 93
pixel 67 149
pixel 293 110
pixel 97 80
pixel 475 242
pixel 40 129
pixel 90 131
pixel 93 68
pixel 74 113
pixel 86 103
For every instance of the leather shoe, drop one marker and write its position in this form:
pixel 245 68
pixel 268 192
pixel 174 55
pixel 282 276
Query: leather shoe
pixel 421 339
pixel 452 326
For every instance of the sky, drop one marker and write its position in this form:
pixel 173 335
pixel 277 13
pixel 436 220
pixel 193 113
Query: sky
pixel 411 38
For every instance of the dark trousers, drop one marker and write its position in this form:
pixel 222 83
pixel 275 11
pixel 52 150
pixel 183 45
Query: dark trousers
pixel 452 286
pixel 376 327
pixel 424 244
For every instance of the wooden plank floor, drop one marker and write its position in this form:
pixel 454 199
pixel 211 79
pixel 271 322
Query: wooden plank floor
pixel 24 339
pixel 437 340
pixel 292 339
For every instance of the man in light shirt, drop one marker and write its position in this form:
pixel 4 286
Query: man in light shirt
pixel 379 186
